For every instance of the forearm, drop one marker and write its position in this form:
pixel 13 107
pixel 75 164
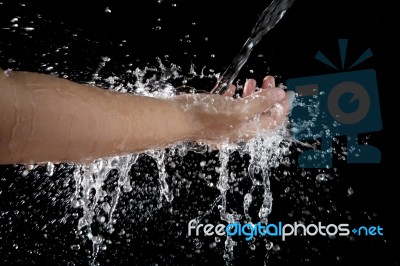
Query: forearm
pixel 45 118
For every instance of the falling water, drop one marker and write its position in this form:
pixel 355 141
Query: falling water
pixel 267 20
pixel 90 192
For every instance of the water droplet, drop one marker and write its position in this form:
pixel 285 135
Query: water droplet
pixel 197 243
pixel 75 247
pixel 350 191
pixel 49 165
pixel 276 247
pixel 101 219
pixel 25 173
pixel 321 177
pixel 97 240
pixel 248 198
pixel 76 203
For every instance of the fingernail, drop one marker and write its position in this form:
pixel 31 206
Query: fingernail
pixel 278 94
pixel 290 96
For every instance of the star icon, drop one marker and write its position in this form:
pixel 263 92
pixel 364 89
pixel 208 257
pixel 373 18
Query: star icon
pixel 354 230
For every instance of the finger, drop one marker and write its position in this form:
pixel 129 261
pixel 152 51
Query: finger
pixel 249 87
pixel 231 91
pixel 268 82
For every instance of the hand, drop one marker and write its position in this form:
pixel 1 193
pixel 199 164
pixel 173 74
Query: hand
pixel 216 118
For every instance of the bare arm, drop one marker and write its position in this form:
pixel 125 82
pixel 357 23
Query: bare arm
pixel 45 118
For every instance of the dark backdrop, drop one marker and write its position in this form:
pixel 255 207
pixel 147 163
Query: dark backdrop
pixel 69 38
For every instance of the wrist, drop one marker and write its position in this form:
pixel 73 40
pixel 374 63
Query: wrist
pixel 188 122
pixel 203 122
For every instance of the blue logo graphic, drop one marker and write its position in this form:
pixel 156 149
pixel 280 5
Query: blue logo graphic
pixel 343 103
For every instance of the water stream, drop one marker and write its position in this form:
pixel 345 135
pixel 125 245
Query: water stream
pixel 267 20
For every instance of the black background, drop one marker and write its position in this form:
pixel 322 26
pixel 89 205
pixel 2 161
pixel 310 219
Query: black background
pixel 128 35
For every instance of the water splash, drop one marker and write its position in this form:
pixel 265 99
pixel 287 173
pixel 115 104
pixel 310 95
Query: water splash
pixel 159 156
pixel 266 151
pixel 90 194
pixel 98 201
pixel 99 205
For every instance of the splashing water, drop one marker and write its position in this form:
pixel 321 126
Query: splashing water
pixel 266 150
pixel 115 203
pixel 159 156
pixel 98 204
pixel 89 192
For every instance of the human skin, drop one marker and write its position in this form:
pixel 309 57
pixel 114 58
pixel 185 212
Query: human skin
pixel 44 118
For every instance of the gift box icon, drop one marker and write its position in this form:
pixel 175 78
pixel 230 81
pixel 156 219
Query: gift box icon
pixel 338 104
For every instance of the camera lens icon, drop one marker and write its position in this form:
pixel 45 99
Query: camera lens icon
pixel 359 95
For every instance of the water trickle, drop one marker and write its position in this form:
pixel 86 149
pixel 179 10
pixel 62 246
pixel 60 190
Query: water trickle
pixel 159 156
pixel 50 169
pixel 90 194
